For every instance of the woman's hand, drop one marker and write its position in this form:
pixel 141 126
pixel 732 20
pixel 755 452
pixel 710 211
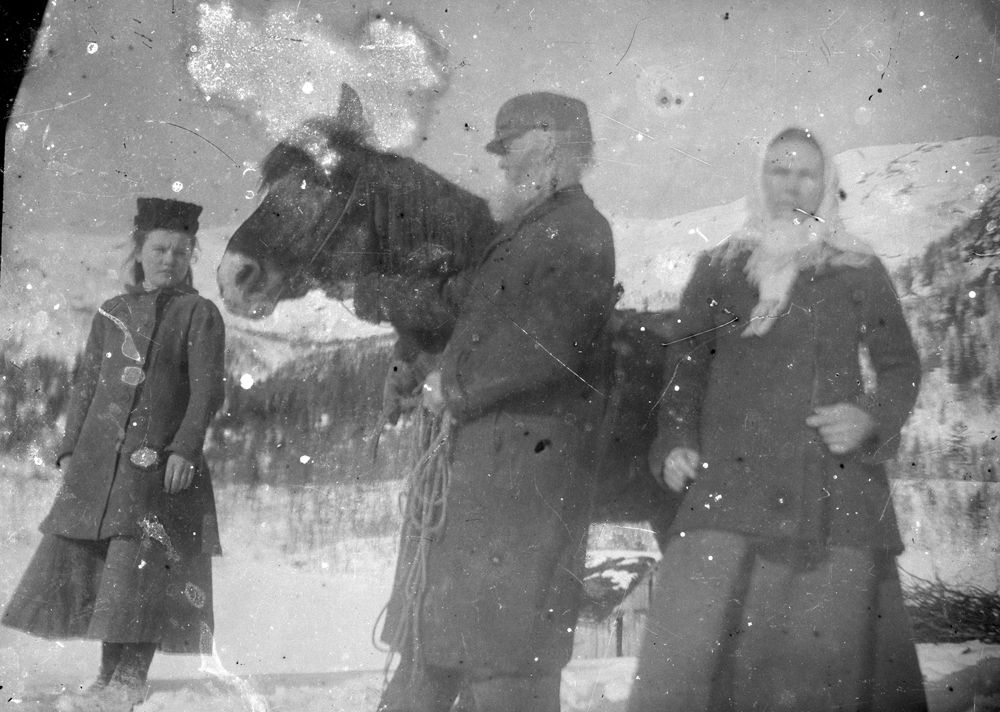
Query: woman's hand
pixel 179 474
pixel 679 468
pixel 844 427
pixel 433 396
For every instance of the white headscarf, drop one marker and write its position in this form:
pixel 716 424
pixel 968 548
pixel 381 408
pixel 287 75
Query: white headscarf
pixel 780 249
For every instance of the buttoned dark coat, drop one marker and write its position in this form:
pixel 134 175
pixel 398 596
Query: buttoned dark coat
pixel 519 375
pixel 742 404
pixel 179 341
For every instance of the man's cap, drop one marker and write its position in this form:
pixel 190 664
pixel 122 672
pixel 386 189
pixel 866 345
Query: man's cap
pixel 166 214
pixel 539 110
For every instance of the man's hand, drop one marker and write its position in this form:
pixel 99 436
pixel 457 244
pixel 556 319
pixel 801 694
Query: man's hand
pixel 179 474
pixel 399 392
pixel 679 468
pixel 844 427
pixel 65 462
pixel 433 396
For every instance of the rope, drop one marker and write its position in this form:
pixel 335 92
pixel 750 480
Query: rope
pixel 375 436
pixel 424 507
pixel 612 407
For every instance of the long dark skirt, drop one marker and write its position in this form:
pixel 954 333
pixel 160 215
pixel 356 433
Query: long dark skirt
pixel 737 626
pixel 118 590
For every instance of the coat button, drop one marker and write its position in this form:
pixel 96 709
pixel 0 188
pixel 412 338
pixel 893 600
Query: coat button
pixel 476 338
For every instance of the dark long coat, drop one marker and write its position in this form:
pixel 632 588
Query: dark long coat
pixel 519 377
pixel 777 529
pixel 742 404
pixel 173 341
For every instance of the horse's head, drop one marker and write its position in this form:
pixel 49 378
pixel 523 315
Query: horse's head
pixel 312 196
pixel 335 209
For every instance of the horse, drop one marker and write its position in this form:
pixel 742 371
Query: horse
pixel 358 222
pixel 336 212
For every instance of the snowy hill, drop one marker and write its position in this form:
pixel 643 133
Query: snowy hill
pixel 951 298
pixel 52 284
pixel 900 198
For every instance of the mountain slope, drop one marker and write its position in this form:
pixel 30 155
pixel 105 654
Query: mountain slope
pixel 899 199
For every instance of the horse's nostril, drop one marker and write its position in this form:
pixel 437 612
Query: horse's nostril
pixel 247 275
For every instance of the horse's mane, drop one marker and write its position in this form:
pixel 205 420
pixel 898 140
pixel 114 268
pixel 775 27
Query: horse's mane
pixel 410 206
pixel 413 207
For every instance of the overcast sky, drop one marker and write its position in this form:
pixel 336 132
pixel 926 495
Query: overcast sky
pixel 681 93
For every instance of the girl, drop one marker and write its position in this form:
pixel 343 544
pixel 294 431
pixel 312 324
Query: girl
pixel 778 587
pixel 127 546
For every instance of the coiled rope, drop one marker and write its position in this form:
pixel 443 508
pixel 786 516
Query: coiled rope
pixel 424 505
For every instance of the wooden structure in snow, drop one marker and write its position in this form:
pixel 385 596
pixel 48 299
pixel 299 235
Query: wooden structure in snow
pixel 617 589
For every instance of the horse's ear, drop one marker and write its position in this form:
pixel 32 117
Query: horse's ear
pixel 350 113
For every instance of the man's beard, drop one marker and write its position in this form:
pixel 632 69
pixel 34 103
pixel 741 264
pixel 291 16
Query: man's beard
pixel 517 199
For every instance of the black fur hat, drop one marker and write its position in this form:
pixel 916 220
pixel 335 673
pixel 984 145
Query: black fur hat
pixel 166 214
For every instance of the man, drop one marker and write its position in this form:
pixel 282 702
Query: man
pixel 519 382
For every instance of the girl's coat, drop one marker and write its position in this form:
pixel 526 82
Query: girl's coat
pixel 150 379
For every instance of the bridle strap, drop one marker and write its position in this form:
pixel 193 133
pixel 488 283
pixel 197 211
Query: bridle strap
pixel 332 230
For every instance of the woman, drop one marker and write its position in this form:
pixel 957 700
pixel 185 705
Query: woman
pixel 127 546
pixel 778 588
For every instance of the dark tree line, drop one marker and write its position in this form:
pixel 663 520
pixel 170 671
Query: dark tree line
pixel 951 296
pixel 312 419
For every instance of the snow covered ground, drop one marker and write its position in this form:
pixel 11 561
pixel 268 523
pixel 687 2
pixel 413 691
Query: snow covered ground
pixel 950 530
pixel 298 638
pixel 294 628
